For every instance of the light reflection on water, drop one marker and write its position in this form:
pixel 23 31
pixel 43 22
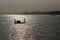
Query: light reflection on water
pixel 37 27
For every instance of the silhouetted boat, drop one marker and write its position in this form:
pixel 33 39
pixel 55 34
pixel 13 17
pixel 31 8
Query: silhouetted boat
pixel 19 21
pixel 52 14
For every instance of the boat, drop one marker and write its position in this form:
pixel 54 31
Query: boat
pixel 19 21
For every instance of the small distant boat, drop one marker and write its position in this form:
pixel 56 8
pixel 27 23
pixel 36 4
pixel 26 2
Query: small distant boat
pixel 52 14
pixel 19 21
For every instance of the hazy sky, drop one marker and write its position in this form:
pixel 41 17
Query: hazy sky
pixel 28 5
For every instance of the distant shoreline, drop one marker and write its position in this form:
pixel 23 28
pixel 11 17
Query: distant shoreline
pixel 27 14
pixel 34 13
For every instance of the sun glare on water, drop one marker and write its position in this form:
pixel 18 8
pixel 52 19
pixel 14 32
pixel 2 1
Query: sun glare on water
pixel 17 31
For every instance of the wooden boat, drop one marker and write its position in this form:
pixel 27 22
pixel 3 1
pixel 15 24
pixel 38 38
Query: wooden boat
pixel 19 21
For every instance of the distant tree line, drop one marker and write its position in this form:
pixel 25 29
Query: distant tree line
pixel 49 13
pixel 54 12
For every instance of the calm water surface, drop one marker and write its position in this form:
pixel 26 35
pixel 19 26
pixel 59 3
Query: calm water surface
pixel 37 27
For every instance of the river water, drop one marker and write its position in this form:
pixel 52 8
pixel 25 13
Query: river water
pixel 37 27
